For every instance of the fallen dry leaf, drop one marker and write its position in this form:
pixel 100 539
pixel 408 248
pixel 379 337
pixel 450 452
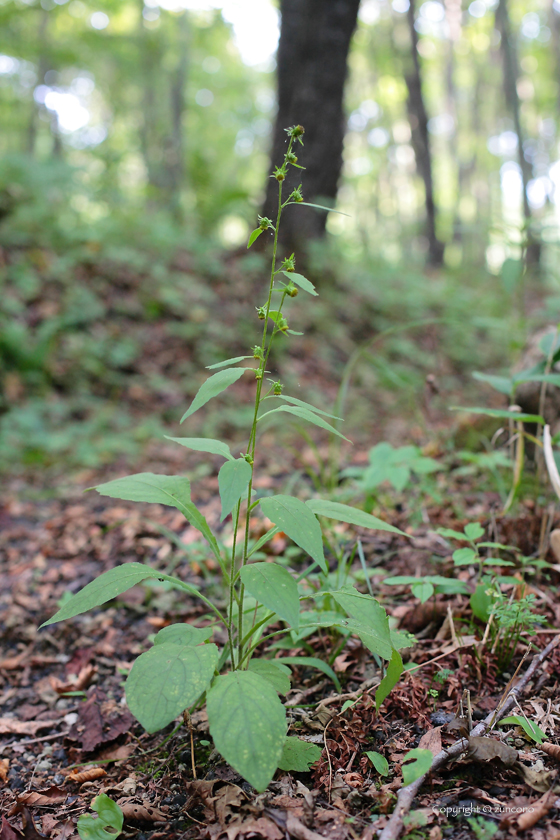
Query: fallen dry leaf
pixel 551 749
pixel 11 726
pixel 431 740
pixel 4 767
pixel 482 748
pixel 539 809
pixel 7 832
pixel 536 776
pixel 42 798
pixel 141 813
pixel 87 775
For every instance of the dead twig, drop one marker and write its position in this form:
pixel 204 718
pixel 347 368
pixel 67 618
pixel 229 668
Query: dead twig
pixel 407 794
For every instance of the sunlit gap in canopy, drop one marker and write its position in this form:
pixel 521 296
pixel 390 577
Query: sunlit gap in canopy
pixel 255 24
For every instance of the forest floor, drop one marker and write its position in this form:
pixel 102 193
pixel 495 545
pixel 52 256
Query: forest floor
pixel 66 734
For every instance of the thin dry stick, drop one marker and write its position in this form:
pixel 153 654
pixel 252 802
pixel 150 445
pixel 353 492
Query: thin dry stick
pixel 407 794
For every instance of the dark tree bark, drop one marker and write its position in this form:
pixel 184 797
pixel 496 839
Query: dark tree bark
pixel 312 67
pixel 421 139
pixel 511 77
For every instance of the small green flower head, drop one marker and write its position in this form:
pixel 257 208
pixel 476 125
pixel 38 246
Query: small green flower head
pixel 258 374
pixel 292 290
pixel 296 195
pixel 261 312
pixel 257 351
pixel 295 132
pixel 278 388
pixel 289 264
pixel 248 458
pixel 282 324
pixel 279 173
pixel 264 223
pixel 291 158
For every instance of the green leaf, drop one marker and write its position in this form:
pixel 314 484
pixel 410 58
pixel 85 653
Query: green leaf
pixel 464 557
pixel 254 235
pixel 352 515
pixel 418 762
pixel 273 586
pixel 213 386
pixel 302 404
pixel 248 725
pixel 277 674
pixel 298 755
pixel 370 615
pixel 104 588
pixel 166 680
pixel 503 384
pixel 228 362
pixel 301 281
pixel 164 490
pixel 313 662
pixel 496 561
pixel 481 603
pixel 529 727
pixel 391 678
pixel 501 413
pixel 214 447
pixel 452 535
pixel 305 414
pixel 298 523
pixel 183 634
pixel 379 762
pixel 474 531
pixel 423 591
pixel 110 816
pixel 233 480
pixel 402 639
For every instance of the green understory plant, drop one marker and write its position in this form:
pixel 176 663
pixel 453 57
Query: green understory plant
pixel 184 668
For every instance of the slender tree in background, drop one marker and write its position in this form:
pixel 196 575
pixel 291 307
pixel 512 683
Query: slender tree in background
pixel 510 80
pixel 312 67
pixel 418 118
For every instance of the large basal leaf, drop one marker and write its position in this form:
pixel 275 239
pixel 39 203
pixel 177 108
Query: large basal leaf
pixel 277 674
pixel 164 490
pixel 298 755
pixel 168 679
pixel 214 447
pixel 213 386
pixel 233 480
pixel 391 678
pixel 274 587
pixel 104 588
pixel 503 384
pixel 298 522
pixel 248 725
pixel 183 634
pixel 352 515
pixel 305 414
pixel 370 615
pixel 301 281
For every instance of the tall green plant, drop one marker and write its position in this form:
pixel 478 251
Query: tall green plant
pixel 183 668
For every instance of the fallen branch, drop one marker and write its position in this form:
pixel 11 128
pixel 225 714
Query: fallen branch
pixel 407 794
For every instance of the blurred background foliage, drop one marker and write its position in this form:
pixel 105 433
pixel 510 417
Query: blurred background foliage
pixel 134 149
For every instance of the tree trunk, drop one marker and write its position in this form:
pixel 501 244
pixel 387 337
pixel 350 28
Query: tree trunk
pixel 511 76
pixel 312 67
pixel 421 139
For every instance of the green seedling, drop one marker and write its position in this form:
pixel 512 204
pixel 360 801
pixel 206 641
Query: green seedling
pixel 471 555
pixel 511 619
pixel 107 824
pixel 184 668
